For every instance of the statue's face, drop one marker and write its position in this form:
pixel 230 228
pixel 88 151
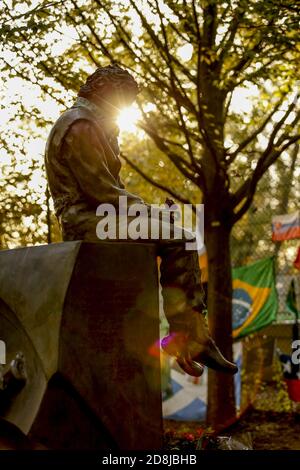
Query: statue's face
pixel 121 98
pixel 112 101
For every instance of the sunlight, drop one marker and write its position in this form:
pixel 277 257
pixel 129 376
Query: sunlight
pixel 185 52
pixel 128 119
pixel 241 101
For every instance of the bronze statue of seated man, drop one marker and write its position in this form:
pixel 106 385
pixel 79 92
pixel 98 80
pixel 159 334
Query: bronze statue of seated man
pixel 83 166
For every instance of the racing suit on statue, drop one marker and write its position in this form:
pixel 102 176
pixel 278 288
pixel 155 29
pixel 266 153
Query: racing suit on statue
pixel 83 165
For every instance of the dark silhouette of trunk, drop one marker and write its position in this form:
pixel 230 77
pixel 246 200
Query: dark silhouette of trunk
pixel 218 217
pixel 221 404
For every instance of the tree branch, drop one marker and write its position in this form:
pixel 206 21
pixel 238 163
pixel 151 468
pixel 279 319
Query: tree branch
pixel 209 24
pixel 33 11
pixel 174 78
pixel 276 129
pixel 103 48
pixel 159 45
pixel 178 161
pixel 44 88
pixel 244 61
pixel 150 180
pixel 225 46
pixel 83 41
pixel 254 134
pixel 247 190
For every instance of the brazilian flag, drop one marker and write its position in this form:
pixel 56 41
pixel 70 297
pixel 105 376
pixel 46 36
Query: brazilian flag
pixel 254 302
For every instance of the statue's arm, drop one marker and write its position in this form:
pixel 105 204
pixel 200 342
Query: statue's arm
pixel 84 153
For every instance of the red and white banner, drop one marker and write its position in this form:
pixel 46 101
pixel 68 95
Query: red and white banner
pixel 286 227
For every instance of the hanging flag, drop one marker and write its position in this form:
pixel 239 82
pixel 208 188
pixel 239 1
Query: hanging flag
pixel 297 260
pixel 290 370
pixel 291 303
pixel 254 302
pixel 286 227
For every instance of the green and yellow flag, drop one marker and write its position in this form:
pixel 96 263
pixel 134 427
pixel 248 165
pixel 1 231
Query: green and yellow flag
pixel 254 302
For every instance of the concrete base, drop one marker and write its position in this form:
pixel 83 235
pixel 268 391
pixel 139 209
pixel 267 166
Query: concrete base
pixel 103 383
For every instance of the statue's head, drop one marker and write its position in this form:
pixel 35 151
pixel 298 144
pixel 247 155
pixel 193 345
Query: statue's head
pixel 111 86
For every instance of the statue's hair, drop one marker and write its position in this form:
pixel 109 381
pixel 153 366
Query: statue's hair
pixel 108 79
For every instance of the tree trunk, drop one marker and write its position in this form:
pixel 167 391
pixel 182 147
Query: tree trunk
pixel 221 403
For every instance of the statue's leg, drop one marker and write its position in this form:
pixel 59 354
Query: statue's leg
pixel 183 295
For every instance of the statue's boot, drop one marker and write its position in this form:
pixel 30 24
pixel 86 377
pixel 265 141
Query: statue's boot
pixel 190 342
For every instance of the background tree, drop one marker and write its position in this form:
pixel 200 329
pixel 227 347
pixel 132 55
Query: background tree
pixel 278 193
pixel 194 60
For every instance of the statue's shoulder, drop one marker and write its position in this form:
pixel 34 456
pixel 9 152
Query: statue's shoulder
pixel 72 115
pixel 63 123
